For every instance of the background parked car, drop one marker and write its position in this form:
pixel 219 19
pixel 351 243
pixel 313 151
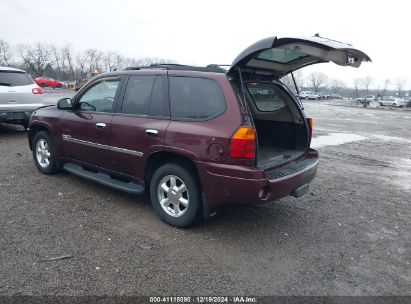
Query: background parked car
pixel 19 96
pixel 335 96
pixel 394 102
pixel 308 95
pixel 48 82
pixel 365 100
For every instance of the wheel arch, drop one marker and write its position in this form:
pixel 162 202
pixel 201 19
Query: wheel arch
pixel 34 128
pixel 157 159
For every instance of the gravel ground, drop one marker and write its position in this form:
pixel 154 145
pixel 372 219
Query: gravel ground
pixel 350 235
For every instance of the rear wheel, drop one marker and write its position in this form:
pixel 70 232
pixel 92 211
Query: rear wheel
pixel 394 105
pixel 175 194
pixel 44 153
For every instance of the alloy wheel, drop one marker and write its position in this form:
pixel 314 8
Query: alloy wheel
pixel 173 195
pixel 43 153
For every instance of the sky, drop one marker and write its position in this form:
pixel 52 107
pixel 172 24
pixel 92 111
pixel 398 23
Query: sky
pixel 202 32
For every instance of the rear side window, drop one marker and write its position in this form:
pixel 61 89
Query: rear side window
pixel 158 103
pixel 266 97
pixel 138 94
pixel 195 98
pixel 12 79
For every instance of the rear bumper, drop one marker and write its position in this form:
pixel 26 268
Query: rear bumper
pixel 237 184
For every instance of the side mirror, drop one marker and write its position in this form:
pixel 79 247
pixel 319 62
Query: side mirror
pixel 64 104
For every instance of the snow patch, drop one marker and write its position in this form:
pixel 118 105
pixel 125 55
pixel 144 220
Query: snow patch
pixel 335 139
pixel 391 138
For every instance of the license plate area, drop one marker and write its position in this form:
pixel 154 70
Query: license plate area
pixel 15 116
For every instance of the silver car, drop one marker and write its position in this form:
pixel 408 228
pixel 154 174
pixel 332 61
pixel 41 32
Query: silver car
pixel 394 102
pixel 19 96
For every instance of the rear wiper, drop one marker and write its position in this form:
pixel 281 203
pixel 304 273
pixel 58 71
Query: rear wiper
pixel 5 84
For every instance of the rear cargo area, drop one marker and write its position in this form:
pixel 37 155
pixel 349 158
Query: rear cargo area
pixel 282 132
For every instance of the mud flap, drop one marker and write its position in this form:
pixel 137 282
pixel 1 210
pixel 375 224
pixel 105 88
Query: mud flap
pixel 300 191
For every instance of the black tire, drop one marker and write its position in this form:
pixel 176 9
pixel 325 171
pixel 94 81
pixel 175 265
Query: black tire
pixel 25 124
pixel 51 167
pixel 186 175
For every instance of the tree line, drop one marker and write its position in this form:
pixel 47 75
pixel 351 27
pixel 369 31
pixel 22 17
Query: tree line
pixel 319 82
pixel 63 63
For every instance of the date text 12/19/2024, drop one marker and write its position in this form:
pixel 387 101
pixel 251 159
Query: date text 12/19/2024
pixel 207 299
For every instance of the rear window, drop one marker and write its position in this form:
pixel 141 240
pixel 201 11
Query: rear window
pixel 281 55
pixel 195 98
pixel 12 79
pixel 266 97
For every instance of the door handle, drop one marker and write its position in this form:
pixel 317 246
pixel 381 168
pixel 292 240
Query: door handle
pixel 100 125
pixel 151 132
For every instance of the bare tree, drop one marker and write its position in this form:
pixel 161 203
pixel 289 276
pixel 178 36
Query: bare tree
pixel 66 53
pixel 37 58
pixel 299 80
pixel 358 83
pixel 317 80
pixel 387 83
pixel 367 81
pixel 5 53
pixel 399 85
pixel 94 60
pixel 112 61
pixel 81 60
pixel 336 85
pixel 58 60
pixel 150 61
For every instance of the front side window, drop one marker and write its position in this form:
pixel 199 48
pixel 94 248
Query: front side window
pixel 100 97
pixel 195 98
pixel 267 98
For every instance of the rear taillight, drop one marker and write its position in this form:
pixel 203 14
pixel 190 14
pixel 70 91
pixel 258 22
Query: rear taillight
pixel 242 143
pixel 37 91
pixel 310 126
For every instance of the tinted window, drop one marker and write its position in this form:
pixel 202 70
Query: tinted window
pixel 8 78
pixel 100 97
pixel 266 97
pixel 195 98
pixel 137 96
pixel 158 103
pixel 281 55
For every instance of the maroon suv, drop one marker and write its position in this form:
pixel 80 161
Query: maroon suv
pixel 192 137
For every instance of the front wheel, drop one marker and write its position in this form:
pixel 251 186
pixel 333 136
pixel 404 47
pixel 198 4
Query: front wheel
pixel 44 153
pixel 176 195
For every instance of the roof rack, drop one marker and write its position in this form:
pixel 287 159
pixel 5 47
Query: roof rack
pixel 172 66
